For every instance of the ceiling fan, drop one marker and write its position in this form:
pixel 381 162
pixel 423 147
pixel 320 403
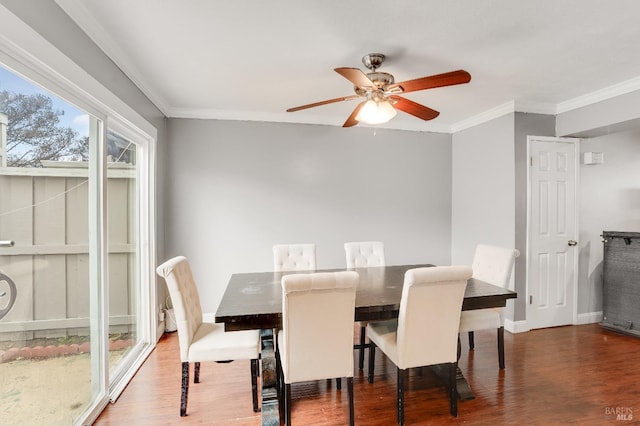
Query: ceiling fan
pixel 381 93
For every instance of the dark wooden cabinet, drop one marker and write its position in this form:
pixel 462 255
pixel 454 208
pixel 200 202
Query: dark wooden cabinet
pixel 621 286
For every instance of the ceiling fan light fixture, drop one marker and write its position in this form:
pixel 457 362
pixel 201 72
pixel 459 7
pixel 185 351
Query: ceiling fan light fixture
pixel 381 92
pixel 376 112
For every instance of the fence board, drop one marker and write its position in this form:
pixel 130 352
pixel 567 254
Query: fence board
pixel 49 293
pixel 20 269
pixel 118 211
pixel 119 290
pixel 48 221
pixel 77 286
pixel 48 211
pixel 118 285
pixel 16 214
pixel 77 211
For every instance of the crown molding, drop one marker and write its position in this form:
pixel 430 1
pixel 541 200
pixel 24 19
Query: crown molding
pixel 25 52
pixel 217 114
pixel 536 107
pixel 613 91
pixel 78 12
pixel 493 113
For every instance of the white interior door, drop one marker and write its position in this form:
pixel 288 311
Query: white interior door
pixel 552 246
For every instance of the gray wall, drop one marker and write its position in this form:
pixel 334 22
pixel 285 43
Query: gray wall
pixel 490 191
pixel 483 188
pixel 237 188
pixel 617 114
pixel 609 201
pixel 608 192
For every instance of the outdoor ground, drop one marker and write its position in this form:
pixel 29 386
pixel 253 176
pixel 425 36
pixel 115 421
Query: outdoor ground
pixel 44 391
pixel 47 385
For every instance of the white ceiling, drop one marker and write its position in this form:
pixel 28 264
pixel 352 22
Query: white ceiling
pixel 253 59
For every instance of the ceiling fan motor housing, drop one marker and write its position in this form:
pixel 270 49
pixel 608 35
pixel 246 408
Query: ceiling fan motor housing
pixel 373 60
pixel 380 79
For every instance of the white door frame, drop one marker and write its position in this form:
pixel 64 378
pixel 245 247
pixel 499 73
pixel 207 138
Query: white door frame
pixel 576 145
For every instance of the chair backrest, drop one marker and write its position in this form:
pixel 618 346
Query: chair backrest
pixel 429 316
pixel 294 257
pixel 364 254
pixel 318 311
pixel 185 299
pixel 494 264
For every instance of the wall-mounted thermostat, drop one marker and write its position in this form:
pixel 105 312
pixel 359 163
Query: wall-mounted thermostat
pixel 593 158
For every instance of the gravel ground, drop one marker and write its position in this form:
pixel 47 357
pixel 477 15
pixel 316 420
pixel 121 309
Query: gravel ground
pixel 44 392
pixel 48 392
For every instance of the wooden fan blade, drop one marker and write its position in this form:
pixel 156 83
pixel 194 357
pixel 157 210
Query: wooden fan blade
pixel 328 101
pixel 438 80
pixel 357 77
pixel 415 109
pixel 351 121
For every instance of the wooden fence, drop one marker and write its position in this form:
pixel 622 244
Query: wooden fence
pixel 45 211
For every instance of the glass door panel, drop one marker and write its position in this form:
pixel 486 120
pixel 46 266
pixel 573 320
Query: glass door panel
pixel 123 213
pixel 48 361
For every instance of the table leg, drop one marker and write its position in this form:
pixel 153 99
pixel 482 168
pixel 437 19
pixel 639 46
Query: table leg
pixel 270 410
pixel 464 390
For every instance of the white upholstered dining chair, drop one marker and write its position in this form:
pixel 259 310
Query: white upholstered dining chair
pixel 492 264
pixel 426 330
pixel 316 339
pixel 204 341
pixel 363 255
pixel 294 257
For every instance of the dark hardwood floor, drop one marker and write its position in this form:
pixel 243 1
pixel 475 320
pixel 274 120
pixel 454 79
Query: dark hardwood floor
pixel 582 375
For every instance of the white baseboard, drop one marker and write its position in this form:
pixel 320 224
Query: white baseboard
pixel 589 318
pixel 159 330
pixel 516 326
pixel 522 326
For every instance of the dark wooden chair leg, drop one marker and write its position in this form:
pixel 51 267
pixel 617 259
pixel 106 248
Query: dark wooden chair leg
pixel 471 342
pixel 339 383
pixel 196 372
pixel 254 384
pixel 280 387
pixel 363 338
pixel 501 348
pixel 453 389
pixel 372 360
pixel 287 404
pixel 185 389
pixel 401 384
pixel 350 392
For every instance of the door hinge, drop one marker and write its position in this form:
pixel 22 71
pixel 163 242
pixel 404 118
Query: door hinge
pixel 531 161
pixel 531 300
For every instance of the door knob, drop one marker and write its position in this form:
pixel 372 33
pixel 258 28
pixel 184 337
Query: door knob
pixel 572 242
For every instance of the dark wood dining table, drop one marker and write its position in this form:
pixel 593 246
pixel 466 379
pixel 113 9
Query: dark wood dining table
pixel 254 301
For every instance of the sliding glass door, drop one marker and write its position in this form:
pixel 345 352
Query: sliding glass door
pixel 76 287
pixel 128 298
